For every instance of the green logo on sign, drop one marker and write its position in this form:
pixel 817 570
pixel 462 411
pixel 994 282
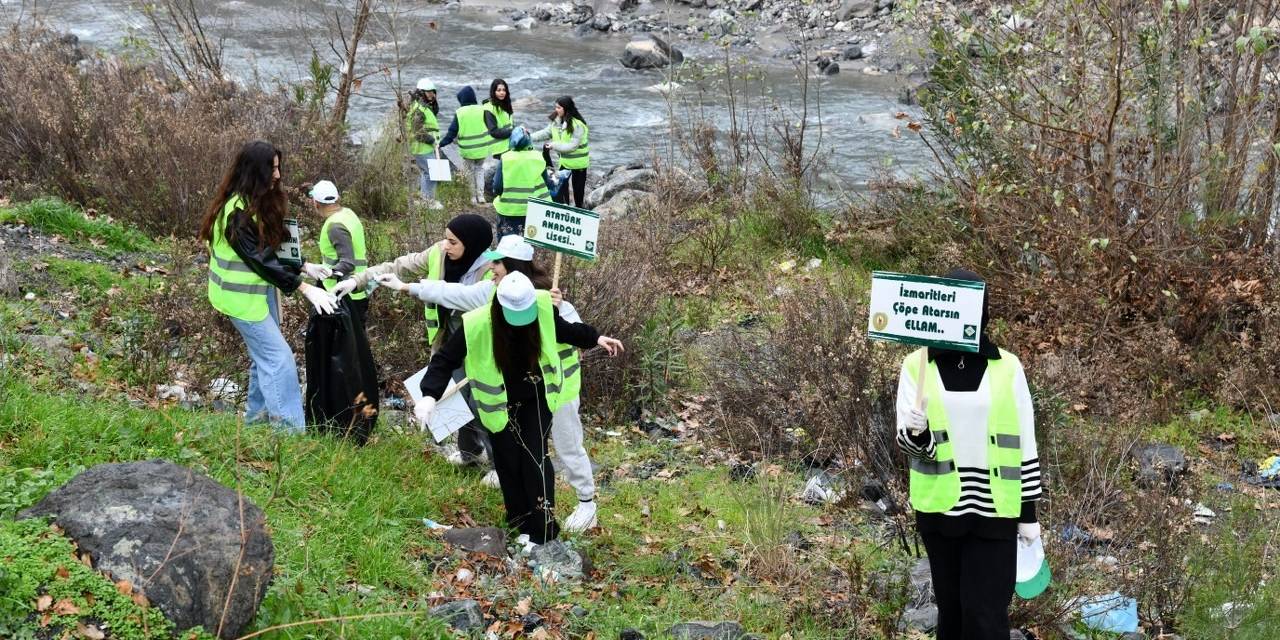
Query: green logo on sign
pixel 970 332
pixel 591 246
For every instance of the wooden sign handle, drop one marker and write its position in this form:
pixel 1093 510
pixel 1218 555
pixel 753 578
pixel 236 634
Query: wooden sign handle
pixel 555 271
pixel 924 365
pixel 454 388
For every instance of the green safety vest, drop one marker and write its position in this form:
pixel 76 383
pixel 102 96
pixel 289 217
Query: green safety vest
pixel 498 146
pixel 234 289
pixel 568 353
pixel 487 386
pixel 474 140
pixel 348 219
pixel 522 178
pixel 579 158
pixel 935 485
pixel 429 124
pixel 435 271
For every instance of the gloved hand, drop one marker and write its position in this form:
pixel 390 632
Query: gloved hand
pixel 1028 532
pixel 390 281
pixel 343 288
pixel 322 300
pixel 422 411
pixel 916 420
pixel 316 271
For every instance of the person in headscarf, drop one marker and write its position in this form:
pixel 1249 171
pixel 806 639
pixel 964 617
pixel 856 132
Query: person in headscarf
pixel 974 476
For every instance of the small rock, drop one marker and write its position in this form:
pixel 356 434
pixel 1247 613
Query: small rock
pixel 856 9
pixel 556 560
pixel 463 615
pixel 30 296
pixel 525 24
pixel 578 611
pixel 630 634
pixel 530 621
pixel 488 540
pixel 601 23
pixel 702 630
pixel 1203 514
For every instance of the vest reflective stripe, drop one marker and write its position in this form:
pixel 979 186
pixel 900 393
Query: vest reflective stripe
pixel 487 386
pixel 430 124
pixel 498 146
pixel 572 373
pixel 347 218
pixel 522 179
pixel 435 271
pixel 935 485
pixel 234 289
pixel 579 158
pixel 474 140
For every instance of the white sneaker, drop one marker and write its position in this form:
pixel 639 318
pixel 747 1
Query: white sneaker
pixel 491 479
pixel 455 458
pixel 582 518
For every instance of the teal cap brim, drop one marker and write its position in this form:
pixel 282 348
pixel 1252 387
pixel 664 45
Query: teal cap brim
pixel 1037 584
pixel 520 318
pixel 491 255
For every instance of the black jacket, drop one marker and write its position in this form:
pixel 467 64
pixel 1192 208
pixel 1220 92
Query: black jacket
pixel 454 352
pixel 262 260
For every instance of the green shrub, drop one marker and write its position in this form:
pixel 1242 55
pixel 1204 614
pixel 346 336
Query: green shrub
pixel 53 216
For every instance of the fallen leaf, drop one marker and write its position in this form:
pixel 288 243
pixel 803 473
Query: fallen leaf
pixel 65 607
pixel 124 587
pixel 540 634
pixel 62 573
pixel 43 602
pixel 1226 438
pixel 914 126
pixel 89 631
pixel 522 607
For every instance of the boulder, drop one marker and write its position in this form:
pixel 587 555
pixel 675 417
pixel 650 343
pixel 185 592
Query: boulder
pixel 180 538
pixel 852 52
pixel 489 540
pixel 703 630
pixel 827 67
pixel 460 615
pixel 555 559
pixel 526 23
pixel 617 181
pixel 601 22
pixel 650 52
pixel 1159 463
pixel 856 9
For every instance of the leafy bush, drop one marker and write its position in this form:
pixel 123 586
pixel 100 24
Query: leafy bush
pixel 55 217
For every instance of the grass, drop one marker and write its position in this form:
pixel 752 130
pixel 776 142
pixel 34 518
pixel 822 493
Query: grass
pixel 56 217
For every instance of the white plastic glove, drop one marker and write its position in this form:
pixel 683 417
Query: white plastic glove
pixel 390 281
pixel 612 345
pixel 322 300
pixel 422 411
pixel 917 422
pixel 316 271
pixel 1028 531
pixel 343 288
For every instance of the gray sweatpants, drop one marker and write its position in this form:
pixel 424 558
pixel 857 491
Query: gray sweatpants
pixel 571 455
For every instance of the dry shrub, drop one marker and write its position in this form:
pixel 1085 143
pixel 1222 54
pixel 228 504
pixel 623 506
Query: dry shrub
pixel 105 130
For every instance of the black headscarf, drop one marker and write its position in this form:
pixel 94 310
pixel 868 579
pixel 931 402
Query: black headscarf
pixel 961 370
pixel 476 235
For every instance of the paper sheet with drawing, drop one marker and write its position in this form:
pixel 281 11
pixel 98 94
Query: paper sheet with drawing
pixel 450 414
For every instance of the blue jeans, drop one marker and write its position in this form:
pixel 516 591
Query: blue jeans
pixel 274 392
pixel 426 186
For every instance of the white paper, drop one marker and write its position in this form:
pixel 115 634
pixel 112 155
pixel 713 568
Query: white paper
pixel 438 170
pixel 449 415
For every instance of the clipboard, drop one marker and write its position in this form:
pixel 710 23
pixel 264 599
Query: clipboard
pixel 451 412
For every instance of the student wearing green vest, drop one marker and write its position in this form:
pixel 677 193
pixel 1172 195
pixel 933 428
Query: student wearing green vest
pixel 243 227
pixel 341 241
pixel 498 116
pixel 974 477
pixel 510 350
pixel 569 138
pixel 474 142
pixel 521 175
pixel 423 130
pixel 458 259
pixel 514 255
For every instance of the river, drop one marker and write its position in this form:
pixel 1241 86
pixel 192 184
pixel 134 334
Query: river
pixel 270 40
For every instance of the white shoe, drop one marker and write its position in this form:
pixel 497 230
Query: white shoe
pixel 582 518
pixel 455 458
pixel 491 479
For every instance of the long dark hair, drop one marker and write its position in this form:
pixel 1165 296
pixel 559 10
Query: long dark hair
pixel 251 178
pixel 515 349
pixel 537 275
pixel 570 112
pixel 504 103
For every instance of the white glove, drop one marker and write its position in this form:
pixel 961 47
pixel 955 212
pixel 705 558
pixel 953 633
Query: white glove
pixel 916 420
pixel 343 288
pixel 316 271
pixel 390 281
pixel 1028 531
pixel 422 411
pixel 322 300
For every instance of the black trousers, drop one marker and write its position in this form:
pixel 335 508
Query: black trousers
pixel 528 479
pixel 473 438
pixel 973 581
pixel 578 180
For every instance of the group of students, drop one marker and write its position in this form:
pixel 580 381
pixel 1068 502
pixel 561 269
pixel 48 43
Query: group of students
pixel 486 132
pixel 491 316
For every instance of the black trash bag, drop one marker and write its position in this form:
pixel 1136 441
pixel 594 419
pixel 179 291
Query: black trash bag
pixel 342 381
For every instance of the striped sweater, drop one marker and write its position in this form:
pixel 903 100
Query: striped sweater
pixel 967 413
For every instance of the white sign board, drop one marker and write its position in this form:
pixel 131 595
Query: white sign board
pixel 438 170
pixel 562 228
pixel 290 251
pixel 451 412
pixel 926 311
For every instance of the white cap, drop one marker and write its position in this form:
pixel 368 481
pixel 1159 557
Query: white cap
pixel 516 295
pixel 425 84
pixel 511 246
pixel 324 192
